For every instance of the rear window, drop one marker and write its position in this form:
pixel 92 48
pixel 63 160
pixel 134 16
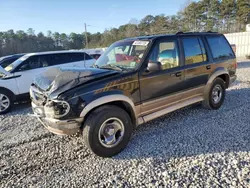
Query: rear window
pixel 220 48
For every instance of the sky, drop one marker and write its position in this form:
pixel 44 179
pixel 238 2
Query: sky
pixel 66 16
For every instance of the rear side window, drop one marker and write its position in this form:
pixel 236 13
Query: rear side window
pixel 219 47
pixel 194 50
pixel 60 58
pixel 85 56
pixel 79 57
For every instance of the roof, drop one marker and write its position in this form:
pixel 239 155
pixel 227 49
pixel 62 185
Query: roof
pixel 55 52
pixel 149 37
pixel 13 55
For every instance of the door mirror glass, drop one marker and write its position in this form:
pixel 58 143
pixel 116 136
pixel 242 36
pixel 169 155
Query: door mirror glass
pixel 154 66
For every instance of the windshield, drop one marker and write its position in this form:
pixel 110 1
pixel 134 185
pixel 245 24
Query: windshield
pixel 125 55
pixel 13 65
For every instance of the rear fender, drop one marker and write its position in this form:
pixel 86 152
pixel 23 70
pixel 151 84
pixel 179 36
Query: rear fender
pixel 216 73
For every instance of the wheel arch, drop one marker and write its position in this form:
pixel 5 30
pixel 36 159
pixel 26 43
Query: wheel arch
pixel 9 91
pixel 121 101
pixel 220 72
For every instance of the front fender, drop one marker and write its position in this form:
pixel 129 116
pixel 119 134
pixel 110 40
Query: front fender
pixel 107 99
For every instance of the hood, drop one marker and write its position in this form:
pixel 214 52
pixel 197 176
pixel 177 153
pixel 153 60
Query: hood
pixel 3 72
pixel 57 80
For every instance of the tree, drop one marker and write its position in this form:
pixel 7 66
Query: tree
pixel 228 14
pixel 31 31
pixel 215 15
pixel 243 13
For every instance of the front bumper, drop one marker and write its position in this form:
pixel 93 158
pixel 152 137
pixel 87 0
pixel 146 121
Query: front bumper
pixel 61 127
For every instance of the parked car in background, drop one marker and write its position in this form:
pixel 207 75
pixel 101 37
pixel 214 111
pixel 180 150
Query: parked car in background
pixel 136 80
pixel 95 53
pixel 95 56
pixel 7 60
pixel 16 78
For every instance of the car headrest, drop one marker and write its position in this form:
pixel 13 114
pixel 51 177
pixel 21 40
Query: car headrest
pixel 166 54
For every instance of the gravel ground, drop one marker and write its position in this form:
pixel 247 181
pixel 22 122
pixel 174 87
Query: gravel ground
pixel 191 147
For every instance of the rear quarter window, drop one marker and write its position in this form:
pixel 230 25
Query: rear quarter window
pixel 220 48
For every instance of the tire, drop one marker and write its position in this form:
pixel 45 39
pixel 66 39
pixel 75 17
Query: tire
pixel 95 129
pixel 6 98
pixel 210 103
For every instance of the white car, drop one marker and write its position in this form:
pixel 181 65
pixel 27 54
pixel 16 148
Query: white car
pixel 16 79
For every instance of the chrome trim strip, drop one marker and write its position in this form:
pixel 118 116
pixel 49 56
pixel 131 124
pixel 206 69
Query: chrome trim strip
pixel 172 108
pixel 161 103
pixel 175 94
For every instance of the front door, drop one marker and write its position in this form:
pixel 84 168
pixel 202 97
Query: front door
pixel 27 70
pixel 162 87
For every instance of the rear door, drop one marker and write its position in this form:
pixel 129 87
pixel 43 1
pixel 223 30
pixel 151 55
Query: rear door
pixel 222 53
pixel 197 66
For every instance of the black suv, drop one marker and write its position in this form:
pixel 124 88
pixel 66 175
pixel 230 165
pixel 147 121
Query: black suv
pixel 136 80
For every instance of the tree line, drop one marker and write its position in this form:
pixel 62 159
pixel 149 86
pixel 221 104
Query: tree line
pixel 223 16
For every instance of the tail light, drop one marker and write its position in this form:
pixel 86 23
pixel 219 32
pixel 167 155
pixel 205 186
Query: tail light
pixel 236 65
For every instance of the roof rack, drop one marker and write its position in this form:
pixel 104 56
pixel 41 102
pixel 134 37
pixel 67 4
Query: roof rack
pixel 181 33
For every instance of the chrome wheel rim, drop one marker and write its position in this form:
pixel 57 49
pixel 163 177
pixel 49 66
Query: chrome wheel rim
pixel 111 132
pixel 4 102
pixel 217 93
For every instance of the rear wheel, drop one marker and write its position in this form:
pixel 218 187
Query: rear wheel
pixel 5 102
pixel 107 130
pixel 216 95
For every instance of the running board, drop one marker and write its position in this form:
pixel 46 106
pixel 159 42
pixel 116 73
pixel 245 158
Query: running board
pixel 172 108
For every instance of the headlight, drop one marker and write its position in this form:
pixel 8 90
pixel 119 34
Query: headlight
pixel 57 109
pixel 61 109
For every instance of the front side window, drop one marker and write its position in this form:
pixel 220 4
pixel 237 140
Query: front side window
pixel 30 63
pixel 35 62
pixel 194 50
pixel 220 47
pixel 125 55
pixel 165 52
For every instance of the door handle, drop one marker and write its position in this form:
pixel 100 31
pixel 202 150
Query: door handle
pixel 177 74
pixel 208 67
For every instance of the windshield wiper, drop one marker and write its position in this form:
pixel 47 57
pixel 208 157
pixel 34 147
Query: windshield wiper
pixel 111 66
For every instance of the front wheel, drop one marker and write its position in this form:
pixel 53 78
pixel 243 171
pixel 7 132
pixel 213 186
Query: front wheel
pixel 107 130
pixel 5 102
pixel 216 95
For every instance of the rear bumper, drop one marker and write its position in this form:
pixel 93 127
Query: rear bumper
pixel 60 127
pixel 232 79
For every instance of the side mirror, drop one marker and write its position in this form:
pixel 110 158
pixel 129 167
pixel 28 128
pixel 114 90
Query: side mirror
pixel 154 66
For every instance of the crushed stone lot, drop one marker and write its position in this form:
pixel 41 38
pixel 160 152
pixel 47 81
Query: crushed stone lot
pixel 190 147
